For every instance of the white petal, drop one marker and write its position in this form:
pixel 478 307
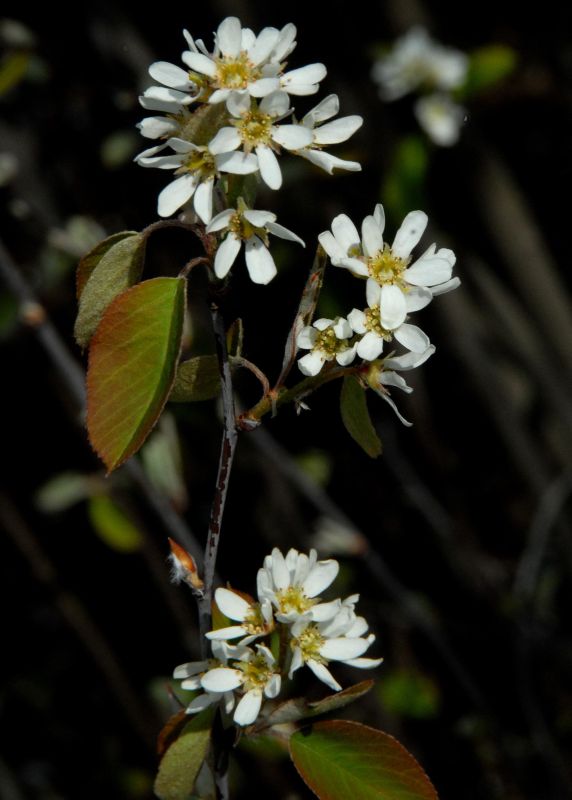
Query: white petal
pixel 203 200
pixel 320 577
pixel 237 162
pixel 160 162
pixel 280 571
pixel 306 338
pixel 248 708
pixel 357 320
pixel 248 39
pixel 372 293
pixel 292 137
pixel 225 141
pixel 259 218
pixel 338 131
pixel 342 648
pixel 286 42
pixel 263 45
pixel 232 604
pixel 331 245
pixel 238 103
pixel 219 96
pixel 325 611
pixel 191 668
pixel 323 673
pixel 311 363
pixel 322 323
pixel 191 684
pixel 345 357
pixel 229 37
pixel 169 75
pixel 412 337
pixel 263 87
pixel 370 347
pixel 269 167
pixel 181 145
pixel 393 309
pixel 411 230
pixel 259 262
pixel 409 360
pixel 283 233
pixel 326 109
pixel 342 328
pixel 226 255
pixel 345 232
pixel 222 679
pixel 390 378
pixel 200 63
pixel 448 286
pixel 310 74
pixel 200 703
pixel 328 162
pixel 175 195
pixel 156 127
pixel 364 663
pixel 222 634
pixel 272 688
pixel 401 418
pixel 379 215
pixel 275 104
pixel 160 98
pixel 417 298
pixel 355 265
pixel 297 662
pixel 372 239
pixel 428 271
pixel 221 220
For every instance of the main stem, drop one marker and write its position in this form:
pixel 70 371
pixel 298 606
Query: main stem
pixel 228 447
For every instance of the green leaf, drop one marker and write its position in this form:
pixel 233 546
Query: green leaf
pixel 132 362
pixel 181 763
pixel 488 66
pixel 404 184
pixel 197 379
pixel 340 760
pixel 410 694
pixel 299 708
pixel 355 416
pixel 112 526
pixel 113 266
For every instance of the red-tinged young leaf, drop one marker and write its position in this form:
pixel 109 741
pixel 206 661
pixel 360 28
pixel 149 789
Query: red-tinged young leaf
pixel 171 731
pixel 340 760
pixel 118 268
pixel 132 362
pixel 181 763
pixel 90 260
pixel 355 416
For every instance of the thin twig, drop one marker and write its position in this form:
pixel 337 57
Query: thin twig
pixel 228 446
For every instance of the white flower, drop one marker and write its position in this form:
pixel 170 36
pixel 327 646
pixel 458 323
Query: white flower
pixel 292 584
pixel 390 266
pixel 417 61
pixel 440 117
pixel 197 169
pixel 251 227
pixel 382 320
pixel 256 618
pixel 192 673
pixel 249 64
pixel 253 674
pixel 334 132
pixel 340 638
pixel 386 373
pixel 255 129
pixel 326 339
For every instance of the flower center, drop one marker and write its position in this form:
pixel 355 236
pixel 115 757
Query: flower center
pixel 254 621
pixel 329 344
pixel 293 599
pixel 235 73
pixel 243 229
pixel 254 128
pixel 386 269
pixel 310 641
pixel 200 162
pixel 373 323
pixel 257 673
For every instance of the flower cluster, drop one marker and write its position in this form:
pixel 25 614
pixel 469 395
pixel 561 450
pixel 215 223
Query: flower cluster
pixel 229 113
pixel 417 63
pixel 396 286
pixel 310 632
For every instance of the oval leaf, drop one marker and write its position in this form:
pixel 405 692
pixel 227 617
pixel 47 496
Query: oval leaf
pixel 182 761
pixel 197 379
pixel 90 260
pixel 355 416
pixel 112 526
pixel 132 363
pixel 118 268
pixel 341 759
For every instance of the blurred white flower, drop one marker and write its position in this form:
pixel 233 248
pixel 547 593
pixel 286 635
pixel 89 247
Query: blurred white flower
pixel 440 117
pixel 416 61
pixel 251 227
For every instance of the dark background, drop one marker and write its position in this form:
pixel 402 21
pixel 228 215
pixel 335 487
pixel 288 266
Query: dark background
pixel 464 546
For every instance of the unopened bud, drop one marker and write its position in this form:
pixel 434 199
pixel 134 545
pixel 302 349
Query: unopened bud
pixel 183 567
